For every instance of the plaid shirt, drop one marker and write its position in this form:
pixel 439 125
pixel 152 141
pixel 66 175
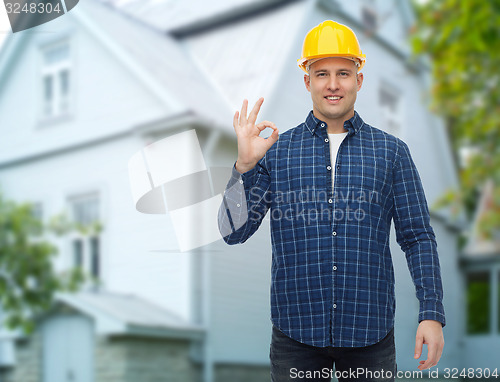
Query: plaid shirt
pixel 332 277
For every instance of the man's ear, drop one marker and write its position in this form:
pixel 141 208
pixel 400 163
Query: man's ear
pixel 307 82
pixel 359 79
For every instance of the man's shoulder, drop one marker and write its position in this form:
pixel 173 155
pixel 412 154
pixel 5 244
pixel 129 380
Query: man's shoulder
pixel 381 135
pixel 378 133
pixel 387 145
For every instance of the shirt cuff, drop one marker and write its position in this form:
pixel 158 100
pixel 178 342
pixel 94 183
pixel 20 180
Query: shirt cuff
pixel 235 200
pixel 247 177
pixel 432 310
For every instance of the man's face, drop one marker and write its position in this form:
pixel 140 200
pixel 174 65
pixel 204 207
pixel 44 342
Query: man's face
pixel 333 85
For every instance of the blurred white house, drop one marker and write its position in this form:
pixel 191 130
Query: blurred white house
pixel 81 94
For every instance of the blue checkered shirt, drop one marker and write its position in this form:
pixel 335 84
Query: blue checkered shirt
pixel 332 277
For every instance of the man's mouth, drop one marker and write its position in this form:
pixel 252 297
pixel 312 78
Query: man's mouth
pixel 333 99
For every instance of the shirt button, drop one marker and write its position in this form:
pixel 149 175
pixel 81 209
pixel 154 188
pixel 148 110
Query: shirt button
pixel 238 205
pixel 330 200
pixel 326 140
pixel 241 181
pixel 334 306
pixel 334 233
pixel 328 168
pixel 338 166
pixel 322 125
pixel 334 267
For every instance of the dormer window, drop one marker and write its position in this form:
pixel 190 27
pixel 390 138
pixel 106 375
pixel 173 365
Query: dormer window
pixel 369 15
pixel 390 105
pixel 56 80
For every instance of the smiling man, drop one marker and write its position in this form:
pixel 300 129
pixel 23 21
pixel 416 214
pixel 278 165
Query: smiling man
pixel 333 185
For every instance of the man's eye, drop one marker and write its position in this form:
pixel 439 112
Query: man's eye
pixel 321 74
pixel 344 74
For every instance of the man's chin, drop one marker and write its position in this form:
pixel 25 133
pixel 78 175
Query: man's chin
pixel 338 114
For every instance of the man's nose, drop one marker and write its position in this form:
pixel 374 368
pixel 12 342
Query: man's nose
pixel 333 84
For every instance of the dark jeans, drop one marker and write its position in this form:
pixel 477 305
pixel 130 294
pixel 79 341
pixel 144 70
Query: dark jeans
pixel 295 361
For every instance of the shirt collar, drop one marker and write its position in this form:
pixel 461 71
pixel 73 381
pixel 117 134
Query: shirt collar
pixel 351 125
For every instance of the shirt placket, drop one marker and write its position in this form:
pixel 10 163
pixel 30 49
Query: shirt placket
pixel 333 201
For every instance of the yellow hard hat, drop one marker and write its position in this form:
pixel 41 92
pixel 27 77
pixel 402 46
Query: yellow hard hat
pixel 330 39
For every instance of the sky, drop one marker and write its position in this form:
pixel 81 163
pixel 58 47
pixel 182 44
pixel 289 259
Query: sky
pixel 4 23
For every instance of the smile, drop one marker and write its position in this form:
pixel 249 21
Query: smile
pixel 333 99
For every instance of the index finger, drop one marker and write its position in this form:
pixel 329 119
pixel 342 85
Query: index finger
pixel 235 120
pixel 431 356
pixel 255 111
pixel 243 114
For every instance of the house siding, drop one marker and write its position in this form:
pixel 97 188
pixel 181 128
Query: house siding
pixel 125 359
pixel 28 360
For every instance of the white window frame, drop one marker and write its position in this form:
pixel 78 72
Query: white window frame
pixel 60 106
pixel 391 117
pixel 37 210
pixel 87 263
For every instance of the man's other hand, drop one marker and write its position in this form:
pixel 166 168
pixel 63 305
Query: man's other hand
pixel 429 332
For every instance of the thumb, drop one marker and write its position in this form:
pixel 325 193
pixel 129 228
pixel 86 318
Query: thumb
pixel 419 342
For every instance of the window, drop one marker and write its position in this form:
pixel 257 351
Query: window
pixel 478 302
pixel 56 80
pixel 369 15
pixel 85 209
pixel 86 242
pixel 390 108
pixel 369 19
pixel 37 211
pixel 78 253
pixel 94 256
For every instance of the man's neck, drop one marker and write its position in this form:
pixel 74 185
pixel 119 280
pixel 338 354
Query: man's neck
pixel 335 126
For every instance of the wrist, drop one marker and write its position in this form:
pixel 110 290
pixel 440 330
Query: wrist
pixel 243 167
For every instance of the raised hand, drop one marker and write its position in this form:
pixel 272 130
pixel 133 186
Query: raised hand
pixel 251 147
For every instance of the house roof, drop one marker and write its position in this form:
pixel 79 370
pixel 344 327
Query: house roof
pixel 200 73
pixel 168 15
pixel 261 40
pixel 120 314
pixel 157 59
pixel 218 34
pixel 161 58
pixel 115 314
pixel 243 45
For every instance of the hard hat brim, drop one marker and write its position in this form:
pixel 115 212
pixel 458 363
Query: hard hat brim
pixel 302 62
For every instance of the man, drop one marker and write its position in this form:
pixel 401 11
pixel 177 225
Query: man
pixel 333 184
